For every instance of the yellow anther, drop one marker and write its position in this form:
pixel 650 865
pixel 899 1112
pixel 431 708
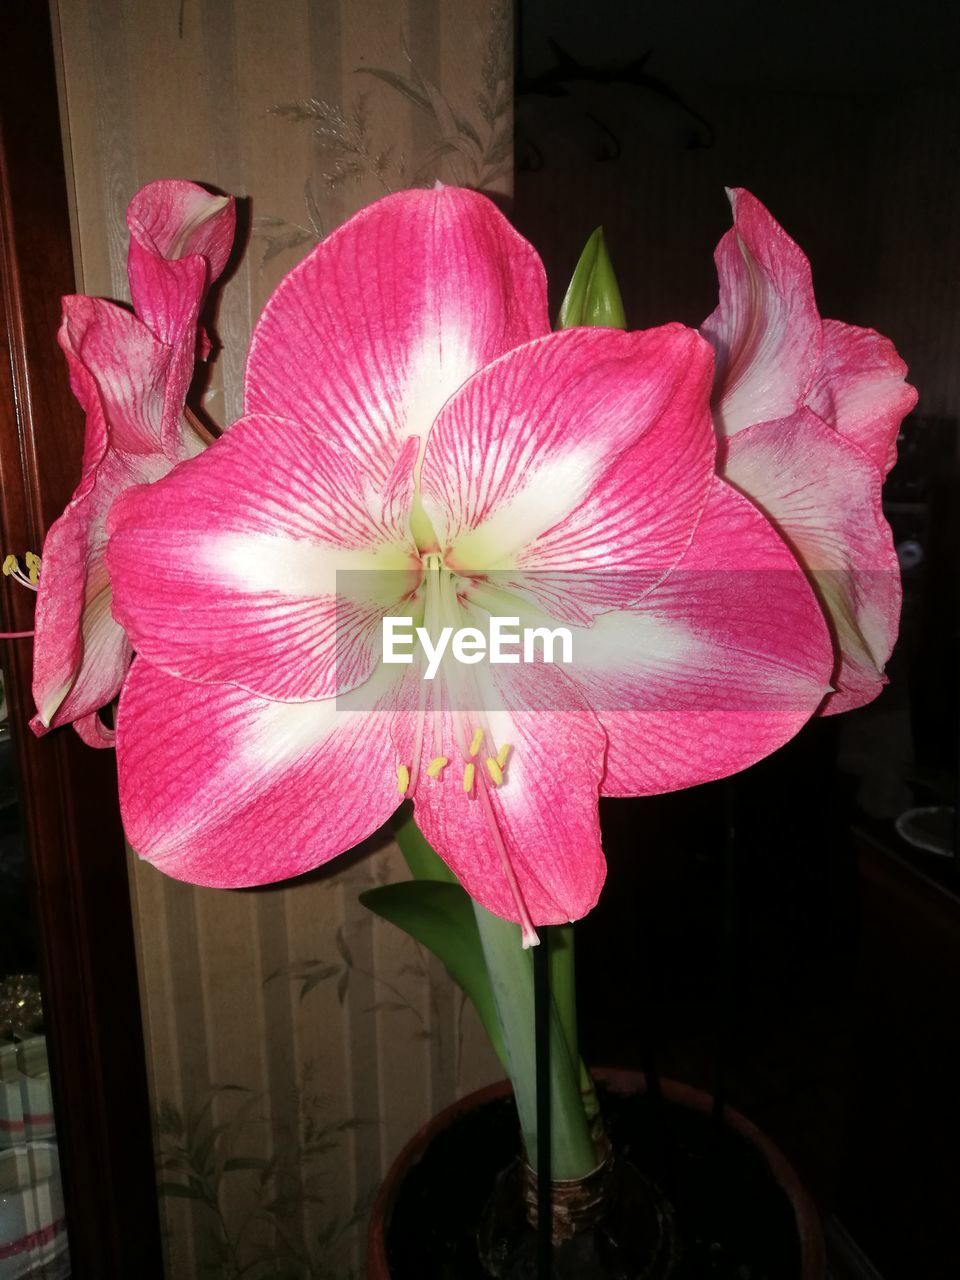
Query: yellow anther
pixel 403 779
pixel 494 770
pixel 475 741
pixel 32 559
pixel 469 774
pixel 437 766
pixel 11 565
pixel 503 753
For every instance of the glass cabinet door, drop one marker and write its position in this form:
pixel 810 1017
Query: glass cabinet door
pixel 33 1228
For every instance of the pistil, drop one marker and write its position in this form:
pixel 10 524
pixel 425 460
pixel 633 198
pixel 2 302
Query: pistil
pixel 460 693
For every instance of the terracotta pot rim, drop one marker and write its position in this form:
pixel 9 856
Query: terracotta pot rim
pixel 617 1080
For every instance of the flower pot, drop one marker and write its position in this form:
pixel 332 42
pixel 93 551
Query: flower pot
pixel 737 1201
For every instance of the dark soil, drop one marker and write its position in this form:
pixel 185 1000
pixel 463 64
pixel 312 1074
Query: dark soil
pixel 733 1220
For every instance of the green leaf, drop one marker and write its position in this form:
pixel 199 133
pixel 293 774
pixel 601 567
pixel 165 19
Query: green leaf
pixel 440 916
pixel 418 853
pixel 593 297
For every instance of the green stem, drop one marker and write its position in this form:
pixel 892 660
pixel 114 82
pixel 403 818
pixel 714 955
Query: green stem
pixel 510 969
pixel 564 990
pixel 418 853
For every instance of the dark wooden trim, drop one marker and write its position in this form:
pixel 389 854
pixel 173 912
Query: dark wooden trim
pixel 68 790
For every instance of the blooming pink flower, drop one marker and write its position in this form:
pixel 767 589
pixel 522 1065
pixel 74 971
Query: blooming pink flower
pixel 807 411
pixel 416 443
pixel 130 373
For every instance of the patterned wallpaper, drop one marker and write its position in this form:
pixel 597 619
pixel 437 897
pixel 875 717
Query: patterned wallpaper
pixel 294 1042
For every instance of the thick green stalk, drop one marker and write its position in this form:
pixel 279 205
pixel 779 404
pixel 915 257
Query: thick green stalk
pixel 510 969
pixel 421 859
pixel 563 988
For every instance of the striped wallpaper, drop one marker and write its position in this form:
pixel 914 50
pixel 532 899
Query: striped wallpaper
pixel 318 1037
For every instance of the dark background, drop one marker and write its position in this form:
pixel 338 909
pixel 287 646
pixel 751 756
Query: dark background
pixel 773 937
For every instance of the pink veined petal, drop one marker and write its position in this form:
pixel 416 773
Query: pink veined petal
pixel 92 730
pixel 180 239
pixel 80 653
pixel 716 667
pixel 221 787
pixel 766 331
pixel 131 376
pixel 267 562
pixel 539 832
pixel 106 656
pixel 581 460
pixel 57 645
pixel 860 390
pixel 367 338
pixel 823 495
pixel 120 374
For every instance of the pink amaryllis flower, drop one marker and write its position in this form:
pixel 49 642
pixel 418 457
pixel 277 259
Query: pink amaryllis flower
pixel 808 411
pixel 417 445
pixel 130 372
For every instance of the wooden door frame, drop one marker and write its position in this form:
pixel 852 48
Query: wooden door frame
pixel 68 790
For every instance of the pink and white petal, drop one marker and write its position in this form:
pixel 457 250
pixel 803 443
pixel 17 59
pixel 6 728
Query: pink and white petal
pixel 586 454
pixel 106 657
pixel 863 607
pixel 717 667
pixel 119 372
pixel 367 338
pixel 94 732
pixel 221 787
pixel 60 595
pixel 81 654
pixel 180 239
pixel 766 331
pixel 860 390
pixel 822 493
pixel 528 850
pixel 267 561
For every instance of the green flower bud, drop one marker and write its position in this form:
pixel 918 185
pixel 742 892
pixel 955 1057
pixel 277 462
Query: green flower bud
pixel 593 297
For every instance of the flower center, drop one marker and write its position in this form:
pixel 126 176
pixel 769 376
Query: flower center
pixel 454 707
pixel 459 695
